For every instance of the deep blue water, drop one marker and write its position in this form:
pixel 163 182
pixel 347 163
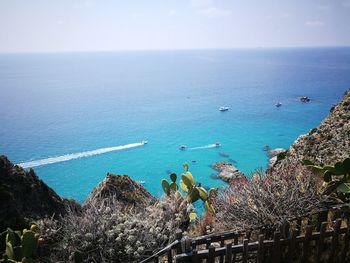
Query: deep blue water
pixel 57 104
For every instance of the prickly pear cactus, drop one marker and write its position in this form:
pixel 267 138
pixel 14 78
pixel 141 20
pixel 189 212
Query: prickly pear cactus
pixel 20 247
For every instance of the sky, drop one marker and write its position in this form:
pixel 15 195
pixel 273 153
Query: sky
pixel 104 25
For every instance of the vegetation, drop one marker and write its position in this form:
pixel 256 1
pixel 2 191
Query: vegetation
pixel 193 191
pixel 108 232
pixel 269 200
pixel 336 178
pixel 19 246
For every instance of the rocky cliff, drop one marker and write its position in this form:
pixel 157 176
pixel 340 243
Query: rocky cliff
pixel 328 143
pixel 23 196
pixel 126 191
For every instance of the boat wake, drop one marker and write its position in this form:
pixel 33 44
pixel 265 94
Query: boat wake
pixel 214 145
pixel 72 156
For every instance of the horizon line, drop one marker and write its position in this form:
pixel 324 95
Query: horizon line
pixel 167 49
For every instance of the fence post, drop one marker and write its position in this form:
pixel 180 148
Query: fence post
pixel 321 241
pixel 346 244
pixel 335 239
pixel 276 248
pixel 261 249
pixel 194 256
pixel 211 255
pixel 292 246
pixel 178 236
pixel 245 251
pixel 228 256
pixel 305 253
pixel 222 244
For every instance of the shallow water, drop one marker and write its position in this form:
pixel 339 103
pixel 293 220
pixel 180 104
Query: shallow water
pixel 59 105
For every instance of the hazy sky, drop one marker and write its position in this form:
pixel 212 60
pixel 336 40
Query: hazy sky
pixel 86 25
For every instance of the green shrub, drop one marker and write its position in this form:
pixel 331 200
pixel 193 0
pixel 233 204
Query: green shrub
pixel 336 178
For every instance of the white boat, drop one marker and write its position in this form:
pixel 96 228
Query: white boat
pixel 278 104
pixel 144 142
pixel 217 144
pixel 141 182
pixel 222 108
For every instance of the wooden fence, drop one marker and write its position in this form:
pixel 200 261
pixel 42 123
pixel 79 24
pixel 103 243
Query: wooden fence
pixel 321 236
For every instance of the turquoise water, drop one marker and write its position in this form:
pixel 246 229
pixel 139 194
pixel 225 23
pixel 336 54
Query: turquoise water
pixel 58 104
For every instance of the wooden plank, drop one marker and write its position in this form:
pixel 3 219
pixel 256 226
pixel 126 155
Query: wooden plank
pixel 245 251
pixel 346 244
pixel 299 220
pixel 222 244
pixel 170 256
pixel 320 241
pixel 211 255
pixel 194 256
pixel 261 249
pixel 322 217
pixel 306 244
pixel 335 241
pixel 292 246
pixel 178 236
pixel 276 248
pixel 207 243
pixel 228 256
pixel 235 242
pixel 248 234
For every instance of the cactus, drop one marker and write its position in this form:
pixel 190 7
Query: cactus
pixel 174 187
pixel 193 191
pixel 337 178
pixel 20 247
pixel 173 177
pixel 29 243
pixel 194 195
pixel 166 187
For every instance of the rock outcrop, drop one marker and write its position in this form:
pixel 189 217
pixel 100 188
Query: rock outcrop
pixel 275 155
pixel 328 143
pixel 228 172
pixel 125 190
pixel 24 197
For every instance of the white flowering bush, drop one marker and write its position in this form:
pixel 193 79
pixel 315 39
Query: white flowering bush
pixel 108 232
pixel 268 200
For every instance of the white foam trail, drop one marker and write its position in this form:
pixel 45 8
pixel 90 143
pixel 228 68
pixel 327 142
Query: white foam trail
pixel 72 156
pixel 204 147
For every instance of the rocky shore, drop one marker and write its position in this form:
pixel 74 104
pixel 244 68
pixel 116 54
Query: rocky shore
pixel 228 172
pixel 329 142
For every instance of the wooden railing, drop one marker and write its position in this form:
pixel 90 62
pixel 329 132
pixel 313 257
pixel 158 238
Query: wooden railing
pixel 321 236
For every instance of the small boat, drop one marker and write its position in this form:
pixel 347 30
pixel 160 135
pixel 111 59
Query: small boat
pixel 224 108
pixel 141 182
pixel 182 147
pixel 304 99
pixel 144 142
pixel 278 104
pixel 217 144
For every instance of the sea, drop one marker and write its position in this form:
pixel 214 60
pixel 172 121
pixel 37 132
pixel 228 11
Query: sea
pixel 74 117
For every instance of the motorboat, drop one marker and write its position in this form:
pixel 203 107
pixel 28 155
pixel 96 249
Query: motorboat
pixel 217 144
pixel 278 104
pixel 222 108
pixel 144 142
pixel 141 182
pixel 182 147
